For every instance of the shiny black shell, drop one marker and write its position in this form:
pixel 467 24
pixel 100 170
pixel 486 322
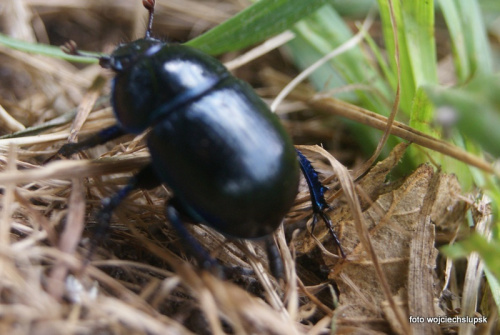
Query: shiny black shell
pixel 213 141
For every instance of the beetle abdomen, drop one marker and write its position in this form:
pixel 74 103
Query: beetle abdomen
pixel 228 159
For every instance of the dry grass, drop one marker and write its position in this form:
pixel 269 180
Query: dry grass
pixel 140 281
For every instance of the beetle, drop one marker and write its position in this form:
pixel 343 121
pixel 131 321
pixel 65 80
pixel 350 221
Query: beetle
pixel 213 142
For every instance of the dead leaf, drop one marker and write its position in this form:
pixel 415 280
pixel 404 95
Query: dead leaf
pixel 401 217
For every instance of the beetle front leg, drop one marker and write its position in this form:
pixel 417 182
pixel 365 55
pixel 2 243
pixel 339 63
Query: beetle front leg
pixel 101 137
pixel 317 194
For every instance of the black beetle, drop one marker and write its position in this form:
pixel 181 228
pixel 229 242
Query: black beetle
pixel 213 141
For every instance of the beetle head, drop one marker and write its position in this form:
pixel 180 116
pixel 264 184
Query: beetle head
pixel 127 54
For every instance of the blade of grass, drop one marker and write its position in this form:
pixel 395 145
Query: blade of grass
pixel 476 107
pixel 317 36
pixel 468 34
pixel 45 50
pixel 418 27
pixel 321 33
pixel 407 81
pixel 456 30
pixel 254 24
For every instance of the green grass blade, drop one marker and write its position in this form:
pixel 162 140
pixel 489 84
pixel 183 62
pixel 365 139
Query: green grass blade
pixel 254 24
pixel 44 49
pixel 321 33
pixel 468 35
pixel 418 19
pixel 318 35
pixel 476 106
pixel 494 285
pixel 457 34
pixel 408 88
pixel 488 250
pixel 417 49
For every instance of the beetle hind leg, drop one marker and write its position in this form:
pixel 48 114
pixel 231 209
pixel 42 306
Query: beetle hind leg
pixel 174 210
pixel 317 194
pixel 274 258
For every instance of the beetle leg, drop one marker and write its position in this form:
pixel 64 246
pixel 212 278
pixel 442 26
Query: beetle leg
pixel 317 193
pixel 274 257
pixel 174 208
pixel 101 137
pixel 145 178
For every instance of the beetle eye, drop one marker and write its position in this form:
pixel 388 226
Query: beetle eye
pixel 120 63
pixel 105 62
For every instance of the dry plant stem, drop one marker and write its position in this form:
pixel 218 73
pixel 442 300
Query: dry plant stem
pixel 18 20
pixel 314 299
pixel 61 71
pixel 204 10
pixel 9 187
pixel 75 219
pixel 423 256
pixel 85 107
pixel 136 320
pixel 474 273
pixel 420 278
pixel 346 46
pixel 70 237
pixel 260 50
pixel 290 274
pixel 9 122
pixel 29 140
pixel 71 168
pixel 348 188
pixel 320 326
pixel 38 218
pixel 209 306
pixel 363 116
pixel 271 294
pixel 125 298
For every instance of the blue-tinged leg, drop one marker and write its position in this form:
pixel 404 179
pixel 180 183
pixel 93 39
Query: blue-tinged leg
pixel 317 193
pixel 101 137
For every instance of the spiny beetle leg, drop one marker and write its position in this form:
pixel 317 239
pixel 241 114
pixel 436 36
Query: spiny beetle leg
pixel 101 137
pixel 194 247
pixel 317 193
pixel 145 179
pixel 329 224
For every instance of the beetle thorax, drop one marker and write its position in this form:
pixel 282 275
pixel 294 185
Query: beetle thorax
pixel 160 80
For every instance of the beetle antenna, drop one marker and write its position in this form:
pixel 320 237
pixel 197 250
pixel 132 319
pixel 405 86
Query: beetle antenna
pixel 150 6
pixel 71 48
